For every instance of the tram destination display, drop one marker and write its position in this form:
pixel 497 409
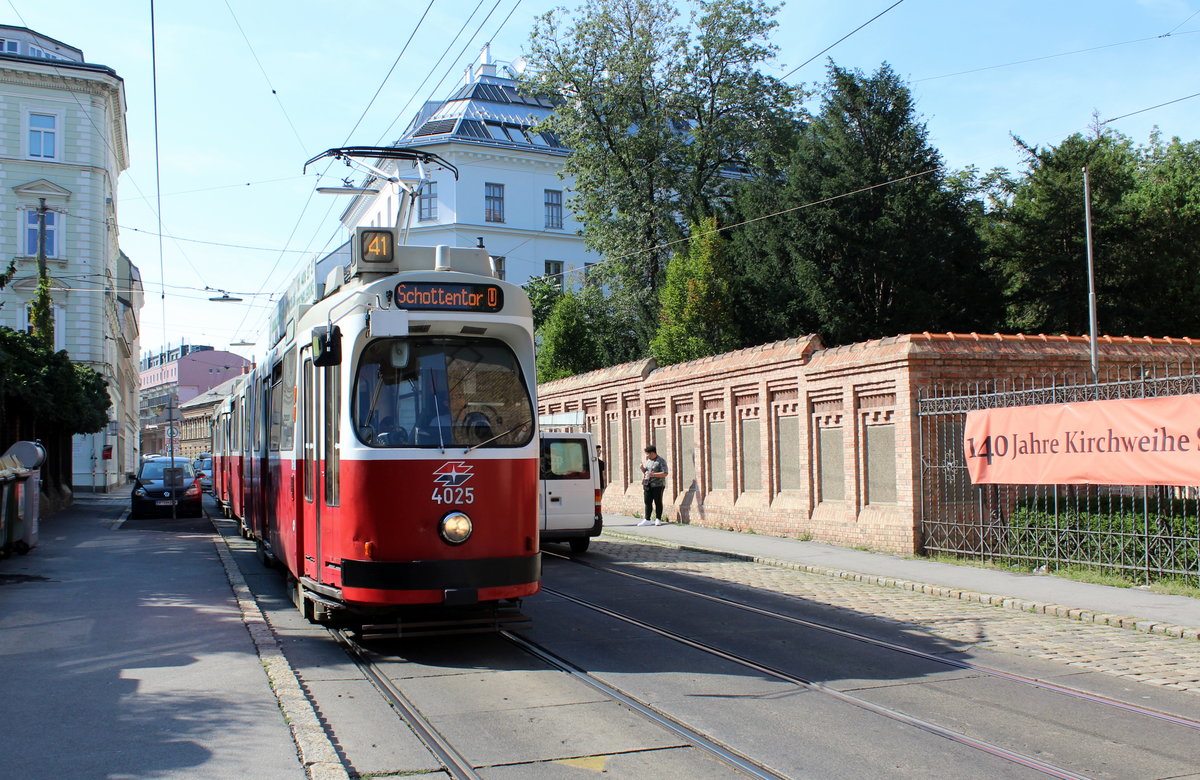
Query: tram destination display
pixel 377 246
pixel 448 297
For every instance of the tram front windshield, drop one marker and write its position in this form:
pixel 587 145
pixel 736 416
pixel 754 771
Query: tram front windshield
pixel 441 392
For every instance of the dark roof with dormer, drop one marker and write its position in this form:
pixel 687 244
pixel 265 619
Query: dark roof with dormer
pixel 490 111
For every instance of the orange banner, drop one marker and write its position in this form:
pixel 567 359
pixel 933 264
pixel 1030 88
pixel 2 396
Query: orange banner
pixel 1141 441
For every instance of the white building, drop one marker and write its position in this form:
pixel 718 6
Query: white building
pixel 508 193
pixel 63 142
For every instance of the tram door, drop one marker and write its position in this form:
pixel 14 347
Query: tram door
pixel 310 513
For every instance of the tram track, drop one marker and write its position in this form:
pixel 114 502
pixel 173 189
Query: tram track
pixel 712 747
pixel 999 751
pixel 453 761
pixel 726 747
pixel 895 647
pixel 460 767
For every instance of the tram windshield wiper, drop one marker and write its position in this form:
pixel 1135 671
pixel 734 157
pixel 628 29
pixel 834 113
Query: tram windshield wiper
pixel 497 436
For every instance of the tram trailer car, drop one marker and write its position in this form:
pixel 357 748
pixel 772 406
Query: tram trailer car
pixel 224 466
pixel 385 451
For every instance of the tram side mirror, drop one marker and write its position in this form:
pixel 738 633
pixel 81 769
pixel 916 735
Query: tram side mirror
pixel 326 346
pixel 400 354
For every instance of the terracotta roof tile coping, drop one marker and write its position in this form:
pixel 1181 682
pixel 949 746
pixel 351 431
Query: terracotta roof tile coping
pixel 1168 340
pixel 811 341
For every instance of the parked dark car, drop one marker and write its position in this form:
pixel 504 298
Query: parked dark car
pixel 165 482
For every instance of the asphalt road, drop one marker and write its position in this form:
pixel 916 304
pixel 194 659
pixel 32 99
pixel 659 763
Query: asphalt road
pixel 514 717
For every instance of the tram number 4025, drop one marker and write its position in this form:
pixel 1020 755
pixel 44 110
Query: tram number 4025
pixel 453 495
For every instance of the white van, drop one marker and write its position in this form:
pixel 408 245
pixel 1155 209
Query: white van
pixel 570 498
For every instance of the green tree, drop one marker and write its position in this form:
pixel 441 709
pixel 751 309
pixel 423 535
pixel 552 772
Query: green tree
pixel 1038 241
pixel 567 343
pixel 543 292
pixel 658 115
pixel 1164 250
pixel 853 257
pixel 45 388
pixel 694 318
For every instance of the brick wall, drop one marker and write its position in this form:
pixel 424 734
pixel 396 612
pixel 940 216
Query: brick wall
pixel 792 439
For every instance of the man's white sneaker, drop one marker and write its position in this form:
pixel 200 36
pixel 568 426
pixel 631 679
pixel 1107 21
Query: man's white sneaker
pixel 658 522
pixel 644 522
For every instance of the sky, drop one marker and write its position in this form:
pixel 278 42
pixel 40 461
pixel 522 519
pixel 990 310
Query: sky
pixel 248 90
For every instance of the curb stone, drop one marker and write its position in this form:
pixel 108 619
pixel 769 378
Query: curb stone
pixel 313 747
pixel 1003 602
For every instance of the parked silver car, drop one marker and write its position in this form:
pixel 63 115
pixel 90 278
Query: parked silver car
pixel 204 467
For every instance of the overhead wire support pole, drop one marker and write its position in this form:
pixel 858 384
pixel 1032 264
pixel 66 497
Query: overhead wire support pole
pixel 1091 271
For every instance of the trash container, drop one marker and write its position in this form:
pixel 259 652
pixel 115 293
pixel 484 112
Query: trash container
pixel 21 490
pixel 31 503
pixel 11 531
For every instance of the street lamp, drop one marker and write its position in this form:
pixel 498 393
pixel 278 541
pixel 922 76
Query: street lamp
pixel 224 297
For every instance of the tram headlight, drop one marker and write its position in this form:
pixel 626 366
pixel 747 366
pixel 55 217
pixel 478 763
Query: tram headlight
pixel 455 528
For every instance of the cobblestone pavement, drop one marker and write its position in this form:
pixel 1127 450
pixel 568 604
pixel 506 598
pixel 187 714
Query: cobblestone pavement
pixel 1149 658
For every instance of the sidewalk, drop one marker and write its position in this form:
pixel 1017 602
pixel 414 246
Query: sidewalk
pixel 124 654
pixel 1131 608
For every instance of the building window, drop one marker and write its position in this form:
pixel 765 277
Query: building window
pixel 57 324
pixel 30 245
pixel 554 209
pixel 499 264
pixel 427 202
pixel 38 51
pixel 588 273
pixel 493 202
pixel 9 46
pixel 554 272
pixel 42 135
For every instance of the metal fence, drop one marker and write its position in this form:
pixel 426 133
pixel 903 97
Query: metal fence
pixel 1141 532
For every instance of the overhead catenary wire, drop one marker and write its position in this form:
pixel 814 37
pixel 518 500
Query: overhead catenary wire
pixel 192 240
pixel 1171 34
pixel 1151 108
pixel 731 226
pixel 87 114
pixel 430 73
pixel 308 201
pixel 387 76
pixel 238 185
pixel 839 40
pixel 267 78
pixel 433 68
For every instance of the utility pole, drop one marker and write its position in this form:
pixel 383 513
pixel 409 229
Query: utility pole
pixel 42 319
pixel 1087 220
pixel 41 244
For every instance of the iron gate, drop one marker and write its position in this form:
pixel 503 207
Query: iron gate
pixel 1138 531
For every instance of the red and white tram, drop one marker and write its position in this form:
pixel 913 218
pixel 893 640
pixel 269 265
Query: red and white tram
pixel 384 450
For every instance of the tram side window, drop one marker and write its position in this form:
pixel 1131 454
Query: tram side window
pixel 287 425
pixel 260 417
pixel 307 431
pixel 333 400
pixel 276 405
